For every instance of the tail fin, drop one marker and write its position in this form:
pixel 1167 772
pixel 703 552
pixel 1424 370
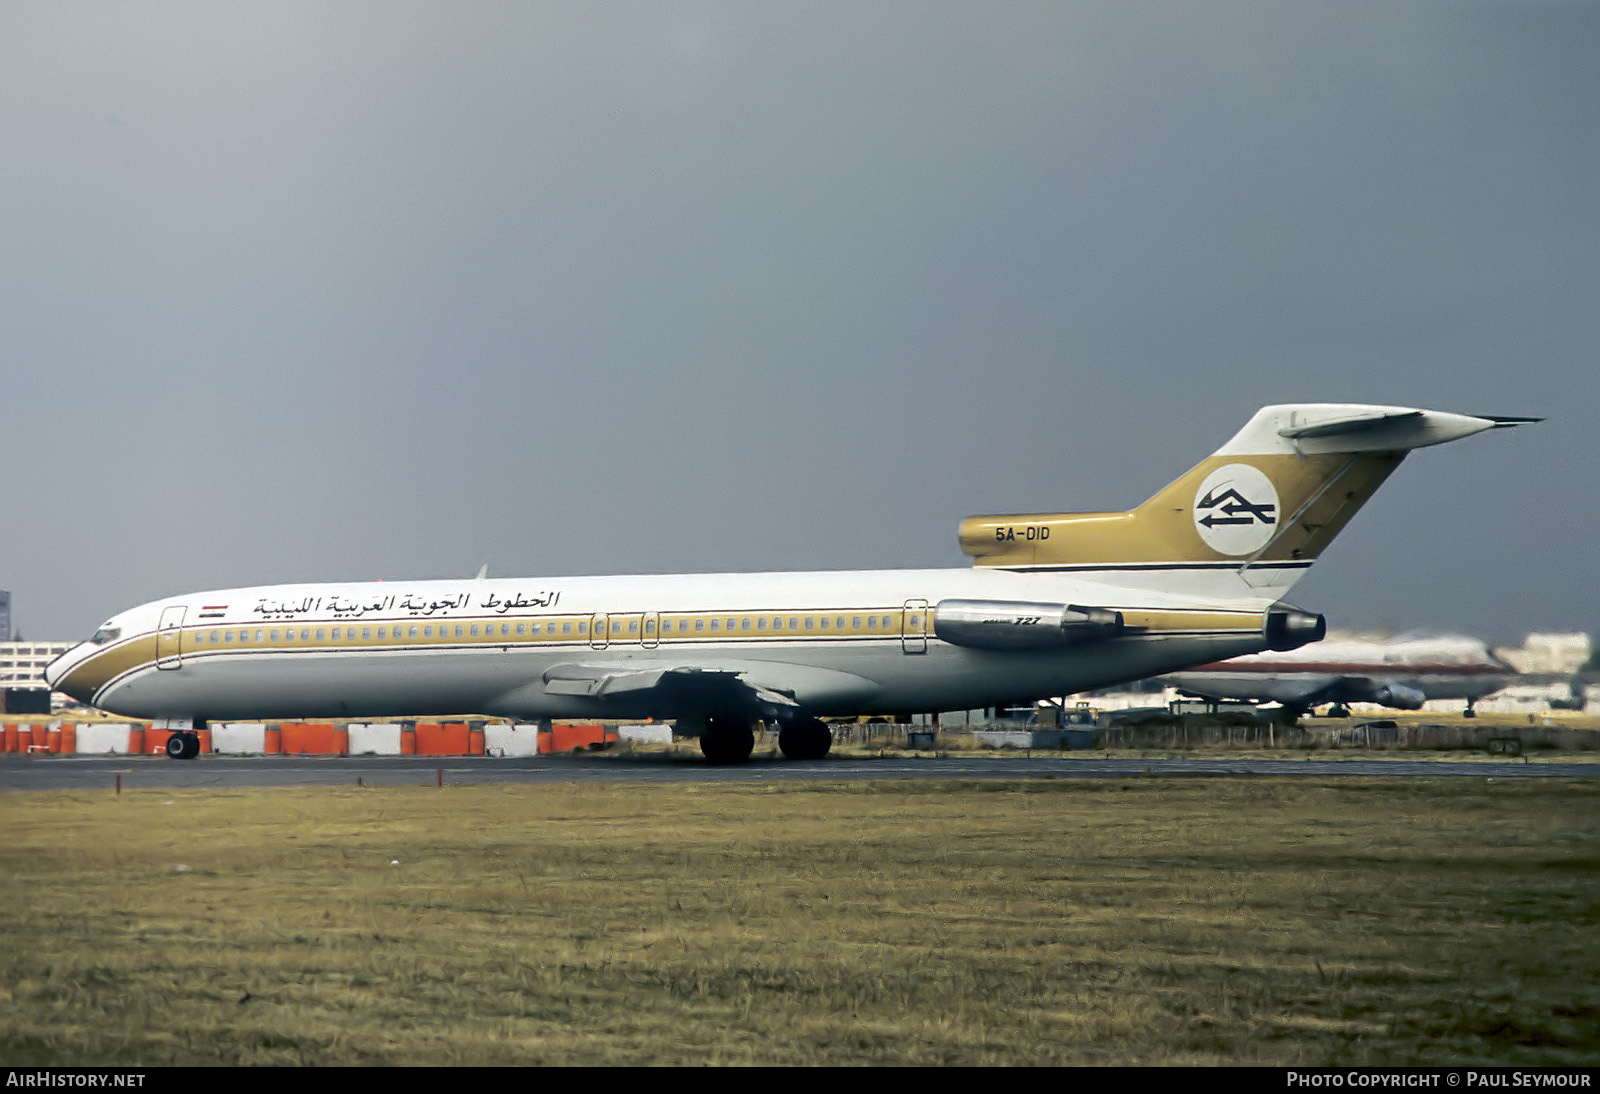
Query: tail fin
pixel 1265 504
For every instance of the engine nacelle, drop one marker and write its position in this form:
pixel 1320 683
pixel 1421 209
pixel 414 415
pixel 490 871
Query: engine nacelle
pixel 1020 625
pixel 1291 628
pixel 1400 697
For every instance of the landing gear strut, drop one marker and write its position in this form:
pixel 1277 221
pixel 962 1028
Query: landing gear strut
pixel 805 739
pixel 727 741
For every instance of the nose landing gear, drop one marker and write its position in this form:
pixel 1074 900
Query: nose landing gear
pixel 184 745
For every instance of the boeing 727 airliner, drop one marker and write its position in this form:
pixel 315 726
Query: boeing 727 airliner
pixel 1054 603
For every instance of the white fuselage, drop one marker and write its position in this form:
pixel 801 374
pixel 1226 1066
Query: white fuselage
pixel 832 643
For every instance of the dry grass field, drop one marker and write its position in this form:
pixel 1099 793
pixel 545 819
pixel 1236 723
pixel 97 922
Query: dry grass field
pixel 1192 921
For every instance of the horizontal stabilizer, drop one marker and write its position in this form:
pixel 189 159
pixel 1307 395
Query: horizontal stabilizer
pixel 1315 428
pixel 1353 423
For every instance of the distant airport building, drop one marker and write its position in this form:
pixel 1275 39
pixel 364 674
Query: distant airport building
pixel 5 616
pixel 22 672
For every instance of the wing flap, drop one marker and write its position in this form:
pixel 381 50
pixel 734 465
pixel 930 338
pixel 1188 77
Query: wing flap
pixel 598 680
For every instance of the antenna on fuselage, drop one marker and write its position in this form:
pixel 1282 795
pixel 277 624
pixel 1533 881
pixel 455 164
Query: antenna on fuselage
pixel 483 572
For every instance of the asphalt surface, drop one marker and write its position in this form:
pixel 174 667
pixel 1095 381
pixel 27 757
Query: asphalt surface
pixel 19 772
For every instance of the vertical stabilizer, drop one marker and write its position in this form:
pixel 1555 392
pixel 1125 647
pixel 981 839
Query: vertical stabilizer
pixel 1264 505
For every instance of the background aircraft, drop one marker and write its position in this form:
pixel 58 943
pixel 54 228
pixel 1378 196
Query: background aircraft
pixel 1402 673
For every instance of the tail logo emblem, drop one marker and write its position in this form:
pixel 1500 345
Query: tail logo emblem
pixel 1236 510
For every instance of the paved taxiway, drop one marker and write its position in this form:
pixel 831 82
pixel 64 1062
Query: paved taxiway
pixel 101 772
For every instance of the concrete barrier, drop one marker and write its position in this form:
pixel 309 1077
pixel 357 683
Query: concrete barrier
pixel 311 739
pixel 376 739
pixel 442 739
pixel 573 738
pixel 239 738
pixel 103 738
pixel 656 733
pixel 509 741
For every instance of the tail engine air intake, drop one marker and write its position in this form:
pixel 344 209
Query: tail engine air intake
pixel 1019 625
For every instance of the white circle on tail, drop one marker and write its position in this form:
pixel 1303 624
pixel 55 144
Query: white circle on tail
pixel 1236 509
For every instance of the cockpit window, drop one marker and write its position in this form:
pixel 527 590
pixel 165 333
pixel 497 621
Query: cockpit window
pixel 106 634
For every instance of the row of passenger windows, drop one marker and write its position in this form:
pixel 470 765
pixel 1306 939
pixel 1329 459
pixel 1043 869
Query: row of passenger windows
pixel 878 623
pixel 363 634
pixel 619 628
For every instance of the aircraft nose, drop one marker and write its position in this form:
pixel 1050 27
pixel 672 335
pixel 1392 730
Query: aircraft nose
pixel 52 673
pixel 57 670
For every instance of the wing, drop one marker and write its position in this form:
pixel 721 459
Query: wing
pixel 710 685
pixel 1293 689
pixel 1380 690
pixel 674 690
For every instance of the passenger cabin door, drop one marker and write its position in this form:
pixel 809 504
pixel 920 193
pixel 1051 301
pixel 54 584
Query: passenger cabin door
pixel 914 627
pixel 169 638
pixel 597 632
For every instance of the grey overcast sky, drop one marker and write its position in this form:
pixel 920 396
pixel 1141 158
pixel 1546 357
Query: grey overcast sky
pixel 318 291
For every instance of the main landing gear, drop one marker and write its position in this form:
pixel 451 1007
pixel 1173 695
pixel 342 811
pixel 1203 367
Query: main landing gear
pixel 731 740
pixel 727 741
pixel 805 739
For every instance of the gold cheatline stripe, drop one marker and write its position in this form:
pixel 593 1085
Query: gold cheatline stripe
pixel 143 650
pixel 816 623
pixel 1173 620
pixel 101 668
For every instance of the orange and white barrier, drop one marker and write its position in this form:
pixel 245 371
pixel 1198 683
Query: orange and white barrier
pixel 242 738
pixel 103 738
pixel 508 741
pixel 376 739
pixel 576 738
pixel 657 733
pixel 312 738
pixel 443 739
